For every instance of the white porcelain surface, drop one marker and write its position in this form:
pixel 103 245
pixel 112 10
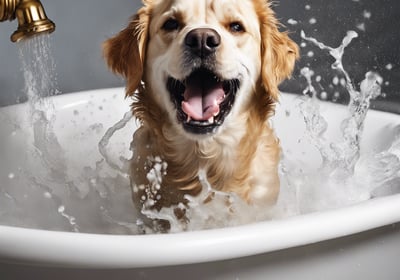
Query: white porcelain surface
pixel 114 251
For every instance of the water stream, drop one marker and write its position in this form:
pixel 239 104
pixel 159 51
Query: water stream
pixel 82 184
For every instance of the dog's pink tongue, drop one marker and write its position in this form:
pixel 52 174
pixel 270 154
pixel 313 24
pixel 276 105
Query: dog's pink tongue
pixel 201 103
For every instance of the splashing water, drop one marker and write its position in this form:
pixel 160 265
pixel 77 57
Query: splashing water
pixel 344 154
pixel 340 180
pixel 65 182
pixel 39 72
pixel 106 139
pixel 209 209
pixel 51 186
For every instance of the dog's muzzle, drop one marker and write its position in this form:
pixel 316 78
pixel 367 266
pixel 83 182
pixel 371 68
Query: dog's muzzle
pixel 203 99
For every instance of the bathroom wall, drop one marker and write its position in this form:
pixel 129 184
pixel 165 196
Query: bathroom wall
pixel 83 25
pixel 377 47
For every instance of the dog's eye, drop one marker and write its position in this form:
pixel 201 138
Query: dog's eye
pixel 171 25
pixel 236 27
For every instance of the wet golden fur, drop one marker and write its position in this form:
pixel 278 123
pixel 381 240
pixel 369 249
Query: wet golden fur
pixel 243 155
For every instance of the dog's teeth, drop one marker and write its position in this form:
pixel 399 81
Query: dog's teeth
pixel 188 119
pixel 211 120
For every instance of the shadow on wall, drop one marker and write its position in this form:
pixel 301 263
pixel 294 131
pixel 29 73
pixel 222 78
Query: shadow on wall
pixel 81 29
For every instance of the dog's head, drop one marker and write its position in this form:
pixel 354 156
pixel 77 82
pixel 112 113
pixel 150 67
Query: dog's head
pixel 203 61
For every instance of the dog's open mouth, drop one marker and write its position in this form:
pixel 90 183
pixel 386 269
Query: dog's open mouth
pixel 203 100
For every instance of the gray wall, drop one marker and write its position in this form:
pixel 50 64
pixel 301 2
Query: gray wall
pixel 83 25
pixel 376 48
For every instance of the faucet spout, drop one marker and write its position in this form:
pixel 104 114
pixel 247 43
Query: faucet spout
pixel 31 17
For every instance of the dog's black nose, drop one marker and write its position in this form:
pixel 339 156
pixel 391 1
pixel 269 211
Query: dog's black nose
pixel 202 41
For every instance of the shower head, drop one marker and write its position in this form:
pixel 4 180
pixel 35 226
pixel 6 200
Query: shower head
pixel 31 17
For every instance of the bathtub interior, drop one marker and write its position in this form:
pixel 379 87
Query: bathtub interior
pixel 81 121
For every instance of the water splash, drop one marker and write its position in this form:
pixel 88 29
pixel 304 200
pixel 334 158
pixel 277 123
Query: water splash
pixel 346 153
pixel 344 176
pixel 104 142
pixel 45 164
pixel 39 70
pixel 200 210
pixel 55 187
pixel 61 190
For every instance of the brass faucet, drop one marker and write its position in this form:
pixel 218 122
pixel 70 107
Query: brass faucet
pixel 31 17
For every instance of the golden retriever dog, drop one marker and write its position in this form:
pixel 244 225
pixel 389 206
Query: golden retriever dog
pixel 204 77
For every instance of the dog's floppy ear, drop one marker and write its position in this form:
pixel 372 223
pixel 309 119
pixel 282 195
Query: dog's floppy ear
pixel 278 51
pixel 125 53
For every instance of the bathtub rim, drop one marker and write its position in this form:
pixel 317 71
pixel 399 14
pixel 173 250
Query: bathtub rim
pixel 81 250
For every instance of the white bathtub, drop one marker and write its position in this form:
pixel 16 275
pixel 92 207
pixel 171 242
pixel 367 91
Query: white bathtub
pixel 360 241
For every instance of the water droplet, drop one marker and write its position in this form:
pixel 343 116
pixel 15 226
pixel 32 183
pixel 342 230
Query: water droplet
pixel 367 14
pixel 47 195
pixel 361 26
pixel 93 182
pixel 335 80
pixel 61 209
pixel 312 21
pixel 336 96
